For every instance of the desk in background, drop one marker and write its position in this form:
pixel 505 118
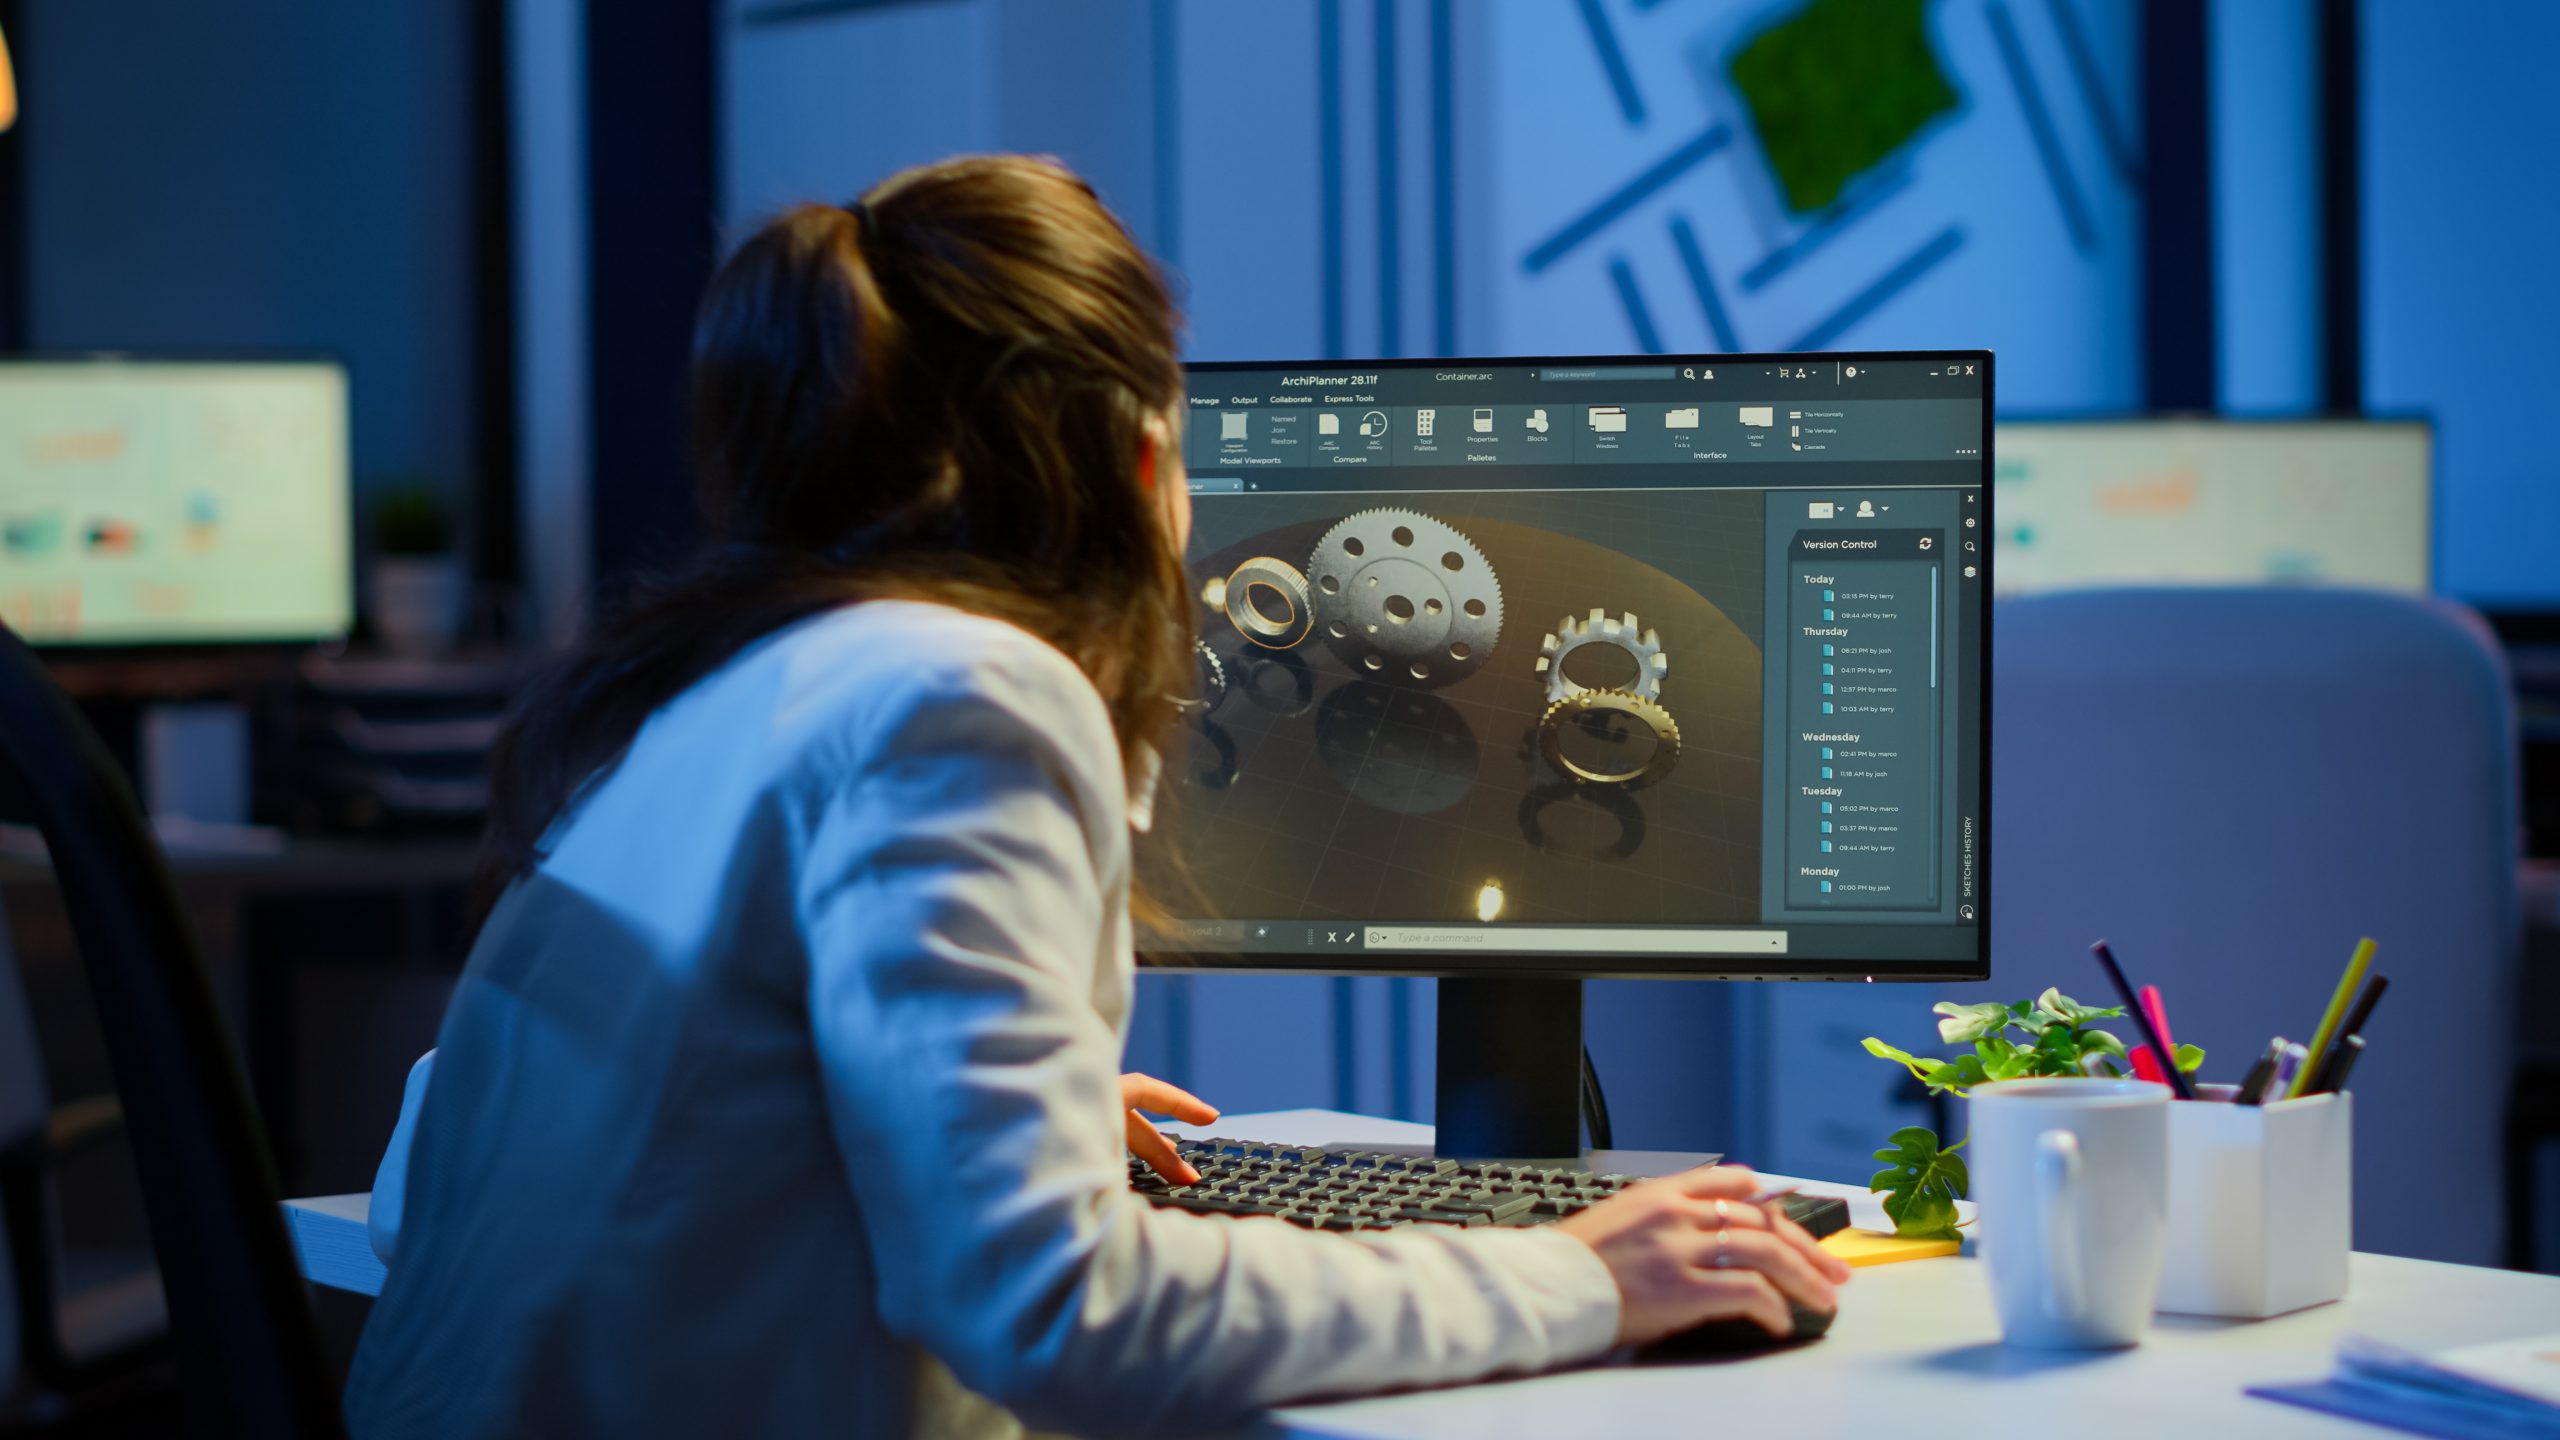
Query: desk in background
pixel 1916 1348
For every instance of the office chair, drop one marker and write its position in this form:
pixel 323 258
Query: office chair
pixel 70 1350
pixel 2232 786
pixel 248 1353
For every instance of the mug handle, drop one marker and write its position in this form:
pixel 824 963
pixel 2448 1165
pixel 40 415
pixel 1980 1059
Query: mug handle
pixel 2058 1202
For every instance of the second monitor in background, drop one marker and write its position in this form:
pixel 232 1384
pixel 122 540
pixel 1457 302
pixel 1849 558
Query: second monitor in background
pixel 2214 502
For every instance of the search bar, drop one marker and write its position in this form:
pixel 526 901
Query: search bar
pixel 1609 372
pixel 1574 940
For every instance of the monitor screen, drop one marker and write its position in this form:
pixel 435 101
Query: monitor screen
pixel 2213 502
pixel 1587 667
pixel 173 502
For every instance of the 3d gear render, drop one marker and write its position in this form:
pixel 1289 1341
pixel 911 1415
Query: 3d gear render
pixel 1405 597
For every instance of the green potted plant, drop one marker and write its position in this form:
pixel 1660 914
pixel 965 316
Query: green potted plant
pixel 418 588
pixel 2056 1035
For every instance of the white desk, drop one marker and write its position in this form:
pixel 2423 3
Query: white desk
pixel 1915 1349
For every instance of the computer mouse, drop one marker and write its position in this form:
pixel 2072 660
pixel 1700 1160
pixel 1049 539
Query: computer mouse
pixel 1738 1336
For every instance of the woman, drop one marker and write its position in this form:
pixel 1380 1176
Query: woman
pixel 779 1094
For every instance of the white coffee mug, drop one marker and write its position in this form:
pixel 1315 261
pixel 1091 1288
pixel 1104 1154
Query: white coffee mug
pixel 2071 1177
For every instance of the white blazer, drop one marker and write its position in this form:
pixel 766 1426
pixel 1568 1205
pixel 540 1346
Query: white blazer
pixel 783 1099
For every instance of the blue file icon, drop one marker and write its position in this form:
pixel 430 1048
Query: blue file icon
pixel 1826 595
pixel 1826 668
pixel 1826 807
pixel 1826 752
pixel 1826 827
pixel 1826 687
pixel 1826 847
pixel 1826 707
pixel 1826 615
pixel 1826 652
pixel 1826 772
pixel 1826 887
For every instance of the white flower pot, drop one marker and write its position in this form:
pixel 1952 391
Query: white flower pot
pixel 418 602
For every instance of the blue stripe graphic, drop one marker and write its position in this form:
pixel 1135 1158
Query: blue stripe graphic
pixel 1614 60
pixel 1168 120
pixel 1390 216
pixel 2057 169
pixel 1444 190
pixel 1346 1073
pixel 1329 161
pixel 1400 1020
pixel 2093 91
pixel 1648 339
pixel 1896 280
pixel 1693 258
pixel 1869 196
pixel 1590 222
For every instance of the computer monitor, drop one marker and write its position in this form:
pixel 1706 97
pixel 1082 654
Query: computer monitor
pixel 1517 672
pixel 2214 502
pixel 164 502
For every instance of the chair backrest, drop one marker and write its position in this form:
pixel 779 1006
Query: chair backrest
pixel 2232 786
pixel 25 1105
pixel 249 1354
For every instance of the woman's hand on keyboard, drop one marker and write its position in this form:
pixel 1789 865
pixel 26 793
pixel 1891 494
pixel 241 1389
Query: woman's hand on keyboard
pixel 1689 1248
pixel 1146 1092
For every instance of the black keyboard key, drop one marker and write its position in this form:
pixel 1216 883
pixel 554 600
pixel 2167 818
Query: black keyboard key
pixel 1492 1205
pixel 1443 1217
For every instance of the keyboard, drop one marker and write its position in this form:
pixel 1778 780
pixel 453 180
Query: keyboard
pixel 1378 1190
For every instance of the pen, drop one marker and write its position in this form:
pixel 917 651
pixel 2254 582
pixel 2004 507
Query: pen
pixel 2363 1010
pixel 2178 1081
pixel 2145 1066
pixel 2253 1086
pixel 2333 1076
pixel 2347 984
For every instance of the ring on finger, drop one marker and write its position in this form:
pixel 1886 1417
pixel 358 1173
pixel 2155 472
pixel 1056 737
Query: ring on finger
pixel 1722 1259
pixel 1723 1216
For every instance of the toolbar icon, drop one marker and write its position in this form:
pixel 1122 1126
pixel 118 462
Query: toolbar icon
pixel 1538 420
pixel 1484 420
pixel 1680 418
pixel 1760 415
pixel 1328 423
pixel 1422 422
pixel 1231 424
pixel 1374 423
pixel 1609 419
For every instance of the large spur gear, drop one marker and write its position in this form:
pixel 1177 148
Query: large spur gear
pixel 1643 647
pixel 1404 597
pixel 1572 709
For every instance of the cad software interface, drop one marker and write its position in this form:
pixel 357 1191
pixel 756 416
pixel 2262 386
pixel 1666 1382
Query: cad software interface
pixel 1660 667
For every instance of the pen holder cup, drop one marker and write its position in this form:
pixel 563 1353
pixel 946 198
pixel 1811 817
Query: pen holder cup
pixel 2260 1207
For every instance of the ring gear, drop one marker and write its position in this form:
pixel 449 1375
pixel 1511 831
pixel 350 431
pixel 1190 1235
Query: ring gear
pixel 1213 680
pixel 1645 648
pixel 1405 597
pixel 1282 579
pixel 1570 709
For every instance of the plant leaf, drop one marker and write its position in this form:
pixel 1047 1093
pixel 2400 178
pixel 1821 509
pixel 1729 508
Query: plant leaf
pixel 2094 1040
pixel 2190 1057
pixel 2055 1008
pixel 1970 1022
pixel 1922 1183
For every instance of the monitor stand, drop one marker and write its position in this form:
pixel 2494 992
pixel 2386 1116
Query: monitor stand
pixel 1510 1070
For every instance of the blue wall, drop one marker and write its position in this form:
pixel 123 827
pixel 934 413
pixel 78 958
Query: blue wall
pixel 2461 295
pixel 262 175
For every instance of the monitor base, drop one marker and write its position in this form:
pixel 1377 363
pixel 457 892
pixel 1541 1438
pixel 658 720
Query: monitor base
pixel 1510 1069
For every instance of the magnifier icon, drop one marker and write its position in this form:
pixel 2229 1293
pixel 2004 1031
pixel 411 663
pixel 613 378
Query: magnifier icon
pixel 1689 373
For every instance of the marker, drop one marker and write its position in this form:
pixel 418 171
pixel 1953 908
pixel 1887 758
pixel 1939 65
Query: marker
pixel 2178 1080
pixel 2254 1085
pixel 2347 984
pixel 2289 1068
pixel 2333 1076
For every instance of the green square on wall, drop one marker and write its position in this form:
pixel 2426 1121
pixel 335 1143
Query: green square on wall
pixel 1837 87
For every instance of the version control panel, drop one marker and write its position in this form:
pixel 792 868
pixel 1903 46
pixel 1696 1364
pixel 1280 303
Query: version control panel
pixel 1871 597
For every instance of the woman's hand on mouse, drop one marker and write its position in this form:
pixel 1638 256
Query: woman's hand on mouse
pixel 1146 1092
pixel 1689 1248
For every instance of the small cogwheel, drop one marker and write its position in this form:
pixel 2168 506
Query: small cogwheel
pixel 1644 647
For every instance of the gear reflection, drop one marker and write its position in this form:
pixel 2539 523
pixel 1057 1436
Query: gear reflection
pixel 1405 751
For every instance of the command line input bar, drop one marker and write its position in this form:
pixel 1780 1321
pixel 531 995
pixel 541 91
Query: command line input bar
pixel 1574 940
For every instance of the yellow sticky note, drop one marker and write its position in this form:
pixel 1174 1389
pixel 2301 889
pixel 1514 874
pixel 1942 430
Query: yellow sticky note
pixel 1876 1247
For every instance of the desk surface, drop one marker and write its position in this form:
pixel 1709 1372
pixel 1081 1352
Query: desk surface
pixel 1916 1347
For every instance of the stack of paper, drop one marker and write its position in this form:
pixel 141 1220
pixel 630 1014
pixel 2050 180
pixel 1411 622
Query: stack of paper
pixel 2507 1389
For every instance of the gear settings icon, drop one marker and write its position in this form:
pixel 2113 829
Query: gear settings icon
pixel 1402 596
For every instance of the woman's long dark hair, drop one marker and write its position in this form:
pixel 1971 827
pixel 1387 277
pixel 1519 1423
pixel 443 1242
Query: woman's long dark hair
pixel 940 392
